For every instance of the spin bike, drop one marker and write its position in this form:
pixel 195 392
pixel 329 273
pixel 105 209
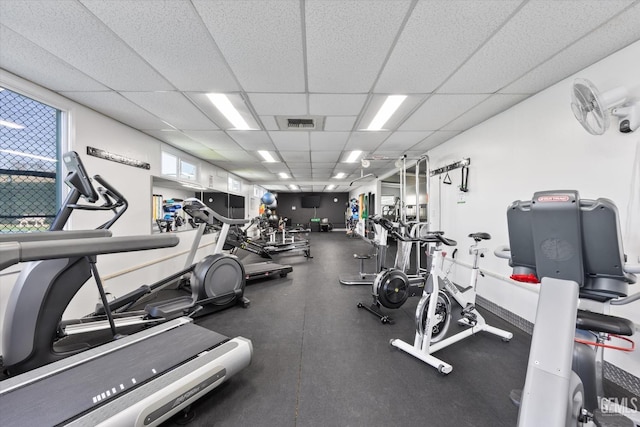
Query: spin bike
pixel 573 248
pixel 433 313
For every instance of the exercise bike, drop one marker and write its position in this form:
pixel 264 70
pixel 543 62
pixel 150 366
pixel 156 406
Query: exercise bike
pixel 434 312
pixel 392 287
pixel 45 288
pixel 573 248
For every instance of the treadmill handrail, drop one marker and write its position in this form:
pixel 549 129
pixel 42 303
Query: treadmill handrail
pixel 15 252
pixel 53 235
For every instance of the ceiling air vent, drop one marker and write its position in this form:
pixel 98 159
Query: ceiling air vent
pixel 300 122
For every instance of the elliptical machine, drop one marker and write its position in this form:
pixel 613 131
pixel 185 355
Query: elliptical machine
pixel 44 289
pixel 573 248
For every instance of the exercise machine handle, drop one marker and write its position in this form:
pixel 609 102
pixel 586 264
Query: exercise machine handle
pixel 503 252
pixel 15 252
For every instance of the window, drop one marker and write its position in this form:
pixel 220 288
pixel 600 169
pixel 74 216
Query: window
pixel 29 152
pixel 187 170
pixel 169 164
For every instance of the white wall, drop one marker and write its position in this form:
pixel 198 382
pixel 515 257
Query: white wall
pixel 86 127
pixel 539 145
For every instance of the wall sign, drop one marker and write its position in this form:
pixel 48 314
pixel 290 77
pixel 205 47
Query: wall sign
pixel 96 152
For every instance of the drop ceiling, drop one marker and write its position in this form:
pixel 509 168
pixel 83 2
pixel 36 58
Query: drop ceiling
pixel 149 63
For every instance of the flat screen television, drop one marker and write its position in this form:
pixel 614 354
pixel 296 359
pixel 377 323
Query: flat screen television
pixel 310 201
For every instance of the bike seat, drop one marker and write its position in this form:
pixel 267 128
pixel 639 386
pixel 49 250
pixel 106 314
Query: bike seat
pixel 362 256
pixel 480 236
pixel 596 322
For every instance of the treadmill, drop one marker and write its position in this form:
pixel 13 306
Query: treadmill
pixel 138 380
pixel 201 213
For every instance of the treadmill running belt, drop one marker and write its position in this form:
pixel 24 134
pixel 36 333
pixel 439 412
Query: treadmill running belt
pixel 63 396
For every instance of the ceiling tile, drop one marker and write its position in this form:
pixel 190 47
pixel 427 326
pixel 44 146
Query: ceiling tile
pixel 323 165
pixel 434 140
pixel 428 51
pixel 120 108
pixel 488 108
pixel 290 140
pixel 365 141
pixel 294 156
pixel 237 155
pixel 615 34
pixel 214 139
pixel 538 31
pixel 83 33
pixel 251 34
pixel 439 110
pixel 328 141
pixel 325 156
pixel 279 104
pixel 269 122
pixel 252 140
pixel 172 107
pixel 19 56
pixel 402 140
pixel 206 153
pixel 339 123
pixel 344 55
pixel 336 104
pixel 182 50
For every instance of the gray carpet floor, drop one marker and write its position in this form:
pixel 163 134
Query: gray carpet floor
pixel 320 361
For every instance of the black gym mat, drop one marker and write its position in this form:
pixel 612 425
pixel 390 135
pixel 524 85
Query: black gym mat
pixel 320 361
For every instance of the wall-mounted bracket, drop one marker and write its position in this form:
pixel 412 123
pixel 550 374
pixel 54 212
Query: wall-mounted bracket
pixel 459 164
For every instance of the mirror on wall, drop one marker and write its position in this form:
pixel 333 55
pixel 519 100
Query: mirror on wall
pixel 167 195
pixel 392 201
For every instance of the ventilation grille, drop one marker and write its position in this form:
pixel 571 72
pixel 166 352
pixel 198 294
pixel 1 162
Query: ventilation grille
pixel 300 122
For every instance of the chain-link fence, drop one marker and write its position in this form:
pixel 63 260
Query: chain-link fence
pixel 28 163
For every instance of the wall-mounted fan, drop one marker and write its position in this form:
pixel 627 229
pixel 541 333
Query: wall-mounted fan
pixel 592 108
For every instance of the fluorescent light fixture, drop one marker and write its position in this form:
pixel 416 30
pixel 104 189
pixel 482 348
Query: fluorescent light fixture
pixel 331 187
pixel 283 175
pixel 222 103
pixel 293 187
pixel 267 156
pixel 391 104
pixel 353 157
pixel 10 125
pixel 196 186
pixel 340 175
pixel 33 156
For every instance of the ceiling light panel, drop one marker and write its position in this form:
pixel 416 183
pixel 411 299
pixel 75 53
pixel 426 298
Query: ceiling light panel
pixel 182 50
pixel 353 156
pixel 439 110
pixel 82 33
pixel 428 31
pixel 172 107
pixel 203 101
pixel 386 110
pixel 620 31
pixel 120 108
pixel 38 65
pixel 375 105
pixel 349 63
pixel 538 31
pixel 483 111
pixel 279 104
pixel 336 104
pixel 244 32
pixel 290 140
pixel 283 175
